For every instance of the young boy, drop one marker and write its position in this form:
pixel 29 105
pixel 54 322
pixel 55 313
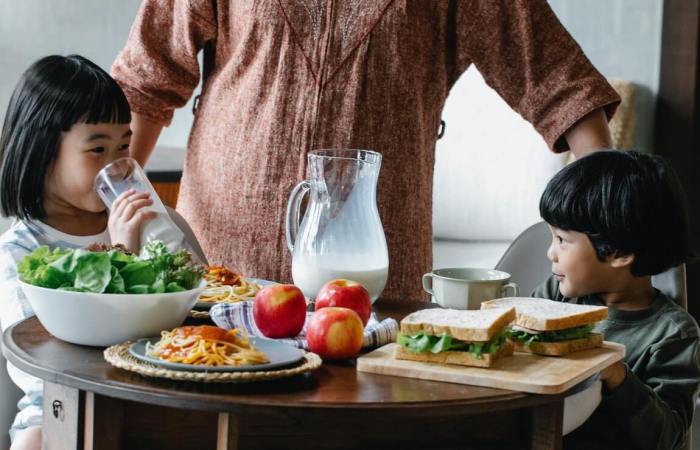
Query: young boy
pixel 617 218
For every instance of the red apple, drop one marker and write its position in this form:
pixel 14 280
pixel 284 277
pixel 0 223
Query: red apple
pixel 280 310
pixel 345 294
pixel 335 333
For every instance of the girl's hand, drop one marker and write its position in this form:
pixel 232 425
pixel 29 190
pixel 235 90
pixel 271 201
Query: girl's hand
pixel 127 216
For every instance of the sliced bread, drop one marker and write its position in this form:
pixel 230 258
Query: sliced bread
pixel 465 325
pixel 547 315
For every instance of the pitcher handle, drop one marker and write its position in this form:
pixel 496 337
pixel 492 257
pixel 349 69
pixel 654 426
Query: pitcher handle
pixel 293 212
pixel 509 286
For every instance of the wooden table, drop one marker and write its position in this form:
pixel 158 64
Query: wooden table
pixel 89 404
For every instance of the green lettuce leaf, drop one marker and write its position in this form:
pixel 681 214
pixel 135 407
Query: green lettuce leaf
pixel 156 270
pixel 422 342
pixel 551 336
pixel 138 272
pixel 174 287
pixel 35 268
pixel 116 284
pixel 93 271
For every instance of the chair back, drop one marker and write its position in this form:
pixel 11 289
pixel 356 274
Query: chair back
pixel 526 258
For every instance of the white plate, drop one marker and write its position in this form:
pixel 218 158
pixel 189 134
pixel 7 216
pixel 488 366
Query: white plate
pixel 279 354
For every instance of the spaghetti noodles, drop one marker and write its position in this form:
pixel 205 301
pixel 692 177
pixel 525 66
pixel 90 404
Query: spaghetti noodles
pixel 206 345
pixel 223 285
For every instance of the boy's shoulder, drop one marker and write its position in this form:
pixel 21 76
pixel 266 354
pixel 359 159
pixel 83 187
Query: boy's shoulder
pixel 677 320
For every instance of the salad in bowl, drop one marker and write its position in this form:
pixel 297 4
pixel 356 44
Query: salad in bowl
pixel 106 295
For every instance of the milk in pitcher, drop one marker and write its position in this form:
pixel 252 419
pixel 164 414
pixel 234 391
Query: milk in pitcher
pixel 310 277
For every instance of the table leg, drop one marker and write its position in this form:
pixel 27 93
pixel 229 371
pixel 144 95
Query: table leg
pixel 227 432
pixel 63 414
pixel 103 422
pixel 546 423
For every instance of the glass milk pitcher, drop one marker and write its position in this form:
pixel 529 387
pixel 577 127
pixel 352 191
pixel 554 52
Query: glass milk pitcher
pixel 341 234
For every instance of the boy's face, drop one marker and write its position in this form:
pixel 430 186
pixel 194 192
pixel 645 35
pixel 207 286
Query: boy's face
pixel 576 265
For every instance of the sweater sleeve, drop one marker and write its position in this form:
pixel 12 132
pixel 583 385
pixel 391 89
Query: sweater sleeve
pixel 158 68
pixel 526 55
pixel 657 409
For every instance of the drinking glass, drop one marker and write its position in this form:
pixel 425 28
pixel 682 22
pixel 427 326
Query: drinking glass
pixel 124 174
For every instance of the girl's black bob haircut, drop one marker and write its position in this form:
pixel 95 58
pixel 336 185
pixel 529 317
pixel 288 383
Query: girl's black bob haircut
pixel 52 95
pixel 627 203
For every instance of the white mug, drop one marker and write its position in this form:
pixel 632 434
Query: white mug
pixel 466 288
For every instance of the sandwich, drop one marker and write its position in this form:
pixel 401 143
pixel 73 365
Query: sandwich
pixel 467 338
pixel 546 327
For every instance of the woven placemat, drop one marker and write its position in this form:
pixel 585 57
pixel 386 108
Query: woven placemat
pixel 119 356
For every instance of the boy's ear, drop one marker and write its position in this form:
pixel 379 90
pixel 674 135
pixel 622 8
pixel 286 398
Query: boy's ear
pixel 618 260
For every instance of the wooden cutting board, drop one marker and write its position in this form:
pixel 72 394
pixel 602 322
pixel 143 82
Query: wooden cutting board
pixel 521 372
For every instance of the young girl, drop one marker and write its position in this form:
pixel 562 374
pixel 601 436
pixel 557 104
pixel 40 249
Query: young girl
pixel 66 120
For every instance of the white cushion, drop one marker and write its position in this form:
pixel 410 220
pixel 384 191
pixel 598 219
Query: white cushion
pixel 491 166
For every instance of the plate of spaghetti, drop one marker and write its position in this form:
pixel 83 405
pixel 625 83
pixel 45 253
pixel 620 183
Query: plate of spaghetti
pixel 227 286
pixel 207 348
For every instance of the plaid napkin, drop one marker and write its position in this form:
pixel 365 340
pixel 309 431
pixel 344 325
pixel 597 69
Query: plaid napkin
pixel 240 315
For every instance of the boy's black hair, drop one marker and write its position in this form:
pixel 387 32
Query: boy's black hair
pixel 52 95
pixel 627 203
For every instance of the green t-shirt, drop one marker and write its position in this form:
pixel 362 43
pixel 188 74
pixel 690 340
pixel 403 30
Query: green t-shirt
pixel 653 407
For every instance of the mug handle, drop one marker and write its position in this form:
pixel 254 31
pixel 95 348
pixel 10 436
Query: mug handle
pixel 509 286
pixel 428 285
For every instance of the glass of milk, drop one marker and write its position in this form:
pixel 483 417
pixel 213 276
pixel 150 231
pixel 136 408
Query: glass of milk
pixel 341 234
pixel 124 174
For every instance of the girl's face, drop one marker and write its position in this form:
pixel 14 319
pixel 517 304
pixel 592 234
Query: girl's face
pixel 83 151
pixel 576 264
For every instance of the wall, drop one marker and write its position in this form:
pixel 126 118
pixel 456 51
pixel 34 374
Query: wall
pixel 97 30
pixel 491 166
pixel 623 39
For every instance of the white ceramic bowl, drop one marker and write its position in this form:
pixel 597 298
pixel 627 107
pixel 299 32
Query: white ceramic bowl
pixel 581 403
pixel 106 319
